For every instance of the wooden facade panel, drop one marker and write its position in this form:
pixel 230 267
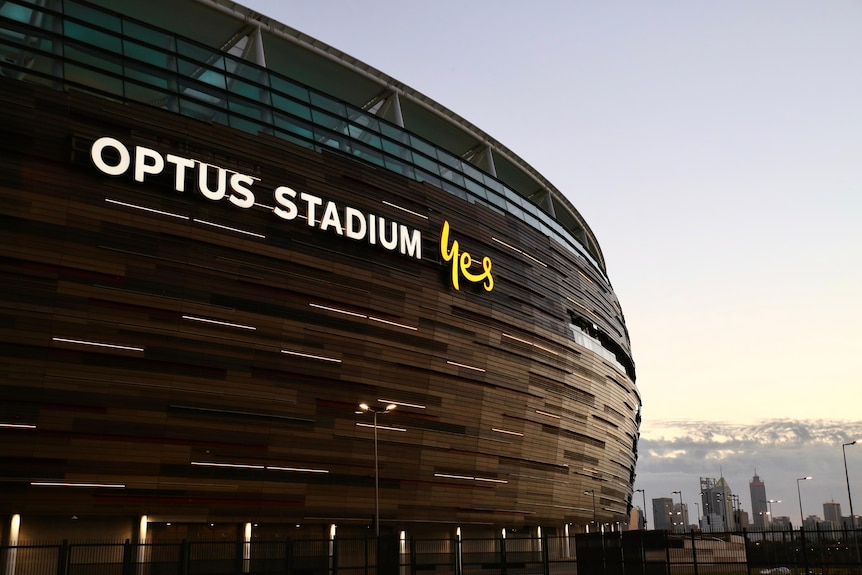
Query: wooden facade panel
pixel 491 384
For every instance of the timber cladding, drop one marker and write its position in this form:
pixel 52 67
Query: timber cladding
pixel 191 357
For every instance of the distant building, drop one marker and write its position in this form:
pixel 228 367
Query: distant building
pixel 636 519
pixel 832 514
pixel 717 499
pixel 781 523
pixel 662 513
pixel 679 517
pixel 759 502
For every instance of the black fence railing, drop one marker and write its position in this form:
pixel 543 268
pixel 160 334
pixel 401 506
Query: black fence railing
pixel 613 553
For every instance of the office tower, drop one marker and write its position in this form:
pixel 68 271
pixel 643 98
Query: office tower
pixel 662 513
pixel 759 502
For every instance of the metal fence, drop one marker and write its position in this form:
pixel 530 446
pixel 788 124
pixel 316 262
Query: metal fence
pixel 613 553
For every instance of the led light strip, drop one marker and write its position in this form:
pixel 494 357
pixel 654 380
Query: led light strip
pixel 466 366
pixel 523 253
pixel 583 307
pixel 67 484
pixel 145 209
pixel 405 210
pixel 217 322
pixel 545 413
pixel 388 401
pixel 530 343
pixel 257 466
pixel 470 478
pixel 97 344
pixel 362 315
pixel 386 427
pixel 310 356
pixel 237 230
pixel 507 432
pixel 17 426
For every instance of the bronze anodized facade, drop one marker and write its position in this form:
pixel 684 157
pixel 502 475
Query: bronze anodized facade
pixel 191 312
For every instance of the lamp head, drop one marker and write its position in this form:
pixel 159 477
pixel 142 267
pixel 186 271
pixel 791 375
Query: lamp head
pixel 364 406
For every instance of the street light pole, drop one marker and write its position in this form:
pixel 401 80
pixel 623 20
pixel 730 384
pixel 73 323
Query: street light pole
pixel 375 411
pixel 593 493
pixel 847 477
pixel 643 493
pixel 799 494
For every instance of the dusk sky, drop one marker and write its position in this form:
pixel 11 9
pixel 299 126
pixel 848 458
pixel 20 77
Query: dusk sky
pixel 715 148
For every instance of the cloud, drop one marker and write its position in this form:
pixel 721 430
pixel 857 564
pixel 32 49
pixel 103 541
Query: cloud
pixel 674 455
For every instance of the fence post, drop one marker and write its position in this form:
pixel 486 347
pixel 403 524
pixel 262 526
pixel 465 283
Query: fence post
pixel 546 556
pixel 694 551
pixel 412 555
pixel 127 557
pixel 804 545
pixel 288 556
pixel 503 555
pixel 184 557
pixel 63 558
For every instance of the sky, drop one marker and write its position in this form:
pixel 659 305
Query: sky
pixel 715 149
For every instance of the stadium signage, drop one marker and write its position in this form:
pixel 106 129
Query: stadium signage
pixel 216 183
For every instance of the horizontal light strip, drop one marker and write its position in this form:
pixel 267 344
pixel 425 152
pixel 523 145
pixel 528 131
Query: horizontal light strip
pixel 296 469
pixel 507 432
pixel 583 307
pixel 97 344
pixel 17 426
pixel 534 477
pixel 523 253
pixel 396 324
pixel 405 210
pixel 310 356
pixel 232 465
pixel 470 478
pixel 416 405
pixel 385 427
pixel 217 322
pixel 237 230
pixel 66 484
pixel 362 315
pixel 145 209
pixel 540 412
pixel 336 310
pixel 466 366
pixel 530 343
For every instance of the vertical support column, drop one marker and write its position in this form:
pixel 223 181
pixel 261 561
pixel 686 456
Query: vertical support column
pixel 142 546
pixel 332 566
pixel 259 54
pixel 246 548
pixel 489 159
pixel 396 110
pixel 12 555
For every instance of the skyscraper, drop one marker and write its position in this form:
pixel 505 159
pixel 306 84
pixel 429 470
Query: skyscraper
pixel 759 503
pixel 662 513
pixel 832 513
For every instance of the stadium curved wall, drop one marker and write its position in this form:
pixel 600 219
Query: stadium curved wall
pixel 192 312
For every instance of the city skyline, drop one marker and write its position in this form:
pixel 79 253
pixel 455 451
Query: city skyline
pixel 714 150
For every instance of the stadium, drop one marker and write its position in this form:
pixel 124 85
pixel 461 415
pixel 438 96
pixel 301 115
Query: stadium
pixel 221 236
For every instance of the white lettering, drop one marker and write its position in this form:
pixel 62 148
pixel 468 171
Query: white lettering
pixel 143 167
pixel 392 242
pixel 242 196
pixel 330 218
pixel 311 202
pixel 354 223
pixel 97 151
pixel 203 185
pixel 288 210
pixel 411 243
pixel 181 165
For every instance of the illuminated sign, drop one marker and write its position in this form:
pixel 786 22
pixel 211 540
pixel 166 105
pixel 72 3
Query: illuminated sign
pixel 461 262
pixel 216 183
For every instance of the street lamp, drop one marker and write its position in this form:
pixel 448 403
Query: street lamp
pixel 681 525
pixel 847 477
pixel 643 494
pixel 799 494
pixel 771 517
pixel 376 411
pixel 593 493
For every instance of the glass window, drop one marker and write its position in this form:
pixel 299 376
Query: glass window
pixel 394 133
pixel 253 92
pixel 364 136
pixel 423 147
pixel 293 125
pixel 331 139
pixel 93 37
pixel 496 199
pixel 454 190
pixel 201 92
pixel 92 16
pixel 422 176
pixel 291 107
pixel 148 35
pixel 328 104
pixel 289 88
pixel 471 171
pixel 426 163
pixel 400 167
pixel 200 55
pixel 368 154
pixel 195 71
pixel 397 150
pixel 92 79
pixel 450 160
pixel 327 121
pixel 475 188
pixel 514 209
pixel 162 60
pixel 367 121
pixel 452 176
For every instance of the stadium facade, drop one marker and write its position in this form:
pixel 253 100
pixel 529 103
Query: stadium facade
pixel 220 236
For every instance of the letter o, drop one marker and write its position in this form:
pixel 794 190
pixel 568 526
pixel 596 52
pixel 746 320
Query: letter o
pixel 107 142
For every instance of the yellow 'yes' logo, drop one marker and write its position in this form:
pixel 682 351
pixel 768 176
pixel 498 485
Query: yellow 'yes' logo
pixel 461 262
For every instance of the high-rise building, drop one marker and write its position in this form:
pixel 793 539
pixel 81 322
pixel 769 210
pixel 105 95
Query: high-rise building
pixel 759 502
pixel 679 517
pixel 832 513
pixel 717 499
pixel 221 236
pixel 662 513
